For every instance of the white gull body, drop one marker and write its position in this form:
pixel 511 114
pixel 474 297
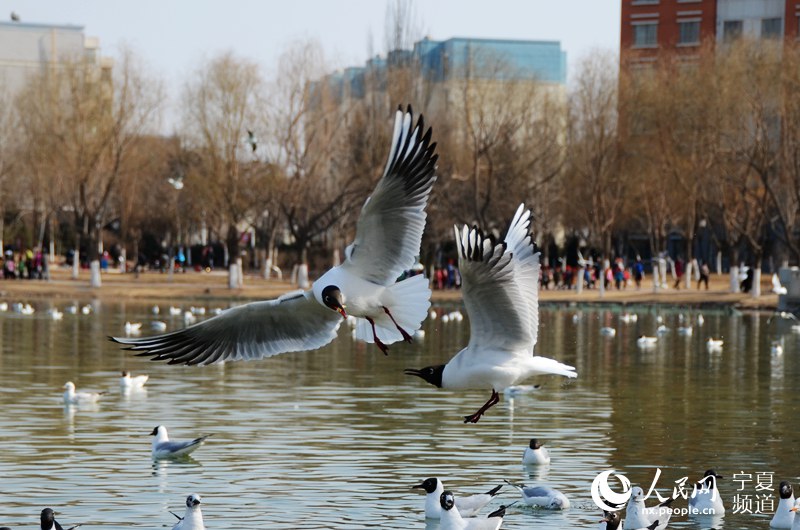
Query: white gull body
pixel 467 505
pixel 193 517
pixel 784 516
pixel 71 397
pixel 637 515
pixel 163 447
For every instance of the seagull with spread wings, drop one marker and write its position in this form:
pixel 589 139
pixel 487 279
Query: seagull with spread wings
pixel 387 242
pixel 500 285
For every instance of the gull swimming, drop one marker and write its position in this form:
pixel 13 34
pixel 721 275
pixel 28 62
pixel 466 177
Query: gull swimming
pixel 48 521
pixel 613 521
pixel 500 290
pixel 646 342
pixel 387 242
pixel 542 496
pixel 535 454
pixel 794 510
pixel 163 447
pixel 468 506
pixel 127 382
pixel 76 398
pixel 451 519
pixel 785 513
pixel 706 499
pixel 193 517
pixel 637 515
pixel 714 345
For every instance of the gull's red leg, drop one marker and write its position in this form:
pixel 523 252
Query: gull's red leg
pixel 404 333
pixel 378 342
pixel 493 400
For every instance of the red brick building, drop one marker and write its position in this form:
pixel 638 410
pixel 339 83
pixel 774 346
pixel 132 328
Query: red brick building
pixel 653 27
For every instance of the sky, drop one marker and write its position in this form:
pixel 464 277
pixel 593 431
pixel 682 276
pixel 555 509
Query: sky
pixel 174 37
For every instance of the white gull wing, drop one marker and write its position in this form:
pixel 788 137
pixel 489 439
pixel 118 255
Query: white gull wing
pixel 499 315
pixel 390 226
pixel 292 322
pixel 525 256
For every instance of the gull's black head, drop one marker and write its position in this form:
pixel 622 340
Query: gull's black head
pixel 785 490
pixel 332 298
pixel 48 517
pixel 535 444
pixel 709 479
pixel 125 373
pixel 612 520
pixel 431 374
pixel 192 500
pixel 447 500
pixel 155 431
pixel 429 485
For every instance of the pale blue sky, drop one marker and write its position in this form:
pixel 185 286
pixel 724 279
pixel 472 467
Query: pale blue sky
pixel 174 36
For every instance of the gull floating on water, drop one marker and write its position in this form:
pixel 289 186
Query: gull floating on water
pixel 155 310
pixel 785 512
pixel 48 521
pixel 387 242
pixel 714 345
pixel 55 314
pixel 500 290
pixel 776 348
pixel 76 398
pixel 133 328
pixel 452 519
pixel 629 318
pixel 126 382
pixel 646 342
pixel 613 521
pixel 175 311
pixel 535 454
pixel 686 331
pixel 608 332
pixel 163 447
pixel 193 517
pixel 707 500
pixel 158 325
pixel 468 506
pixel 87 309
pixel 542 496
pixel 637 515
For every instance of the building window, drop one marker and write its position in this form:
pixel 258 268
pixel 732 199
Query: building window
pixel 643 2
pixel 731 30
pixel 645 35
pixel 771 28
pixel 689 32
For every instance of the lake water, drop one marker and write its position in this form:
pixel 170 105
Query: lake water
pixel 335 438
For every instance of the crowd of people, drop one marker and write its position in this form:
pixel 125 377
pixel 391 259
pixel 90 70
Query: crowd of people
pixel 29 264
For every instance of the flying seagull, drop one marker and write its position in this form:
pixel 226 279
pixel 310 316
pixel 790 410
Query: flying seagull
pixel 500 290
pixel 388 236
pixel 252 140
pixel 14 17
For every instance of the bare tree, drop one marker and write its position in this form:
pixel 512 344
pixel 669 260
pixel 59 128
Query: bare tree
pixel 79 120
pixel 223 102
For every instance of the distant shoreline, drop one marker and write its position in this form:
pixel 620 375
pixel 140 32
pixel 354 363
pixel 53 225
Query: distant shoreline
pixel 199 286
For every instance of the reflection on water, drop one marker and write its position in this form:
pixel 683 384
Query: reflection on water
pixel 336 438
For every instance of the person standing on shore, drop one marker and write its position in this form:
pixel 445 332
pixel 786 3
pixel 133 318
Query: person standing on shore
pixel 678 272
pixel 704 272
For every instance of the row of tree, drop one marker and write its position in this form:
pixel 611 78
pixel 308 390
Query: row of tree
pixel 712 142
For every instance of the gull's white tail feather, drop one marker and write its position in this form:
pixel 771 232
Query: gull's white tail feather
pixel 545 365
pixel 409 301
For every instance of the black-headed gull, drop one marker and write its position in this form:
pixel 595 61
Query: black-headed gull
pixel 535 454
pixel 500 290
pixel 542 496
pixel 637 515
pixel 163 447
pixel 128 382
pixel 71 397
pixel 451 519
pixel 467 506
pixel 613 521
pixel 193 517
pixel 48 521
pixel 706 499
pixel 387 242
pixel 784 514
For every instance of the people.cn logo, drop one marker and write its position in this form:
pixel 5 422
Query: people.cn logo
pixel 606 498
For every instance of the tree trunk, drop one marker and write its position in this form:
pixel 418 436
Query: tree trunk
pixel 734 273
pixel 756 287
pixel 232 246
pixel 302 270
